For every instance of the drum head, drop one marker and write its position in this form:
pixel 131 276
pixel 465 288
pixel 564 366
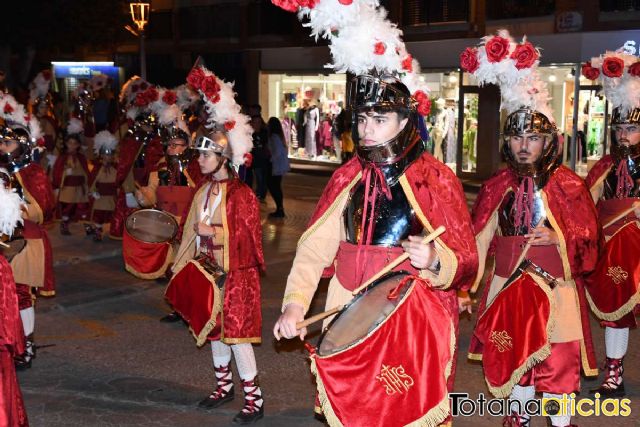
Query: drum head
pixel 363 314
pixel 151 226
pixel 13 248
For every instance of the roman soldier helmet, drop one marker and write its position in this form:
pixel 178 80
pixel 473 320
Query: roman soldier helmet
pixel 230 133
pixel 105 143
pixel 619 74
pixel 514 68
pixel 74 130
pixel 365 43
pixel 18 126
pixel 136 97
pixel 39 91
pixel 170 116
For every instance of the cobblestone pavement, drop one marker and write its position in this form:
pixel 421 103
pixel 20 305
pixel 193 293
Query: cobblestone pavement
pixel 106 360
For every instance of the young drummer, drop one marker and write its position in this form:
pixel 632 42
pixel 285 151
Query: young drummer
pixel 102 184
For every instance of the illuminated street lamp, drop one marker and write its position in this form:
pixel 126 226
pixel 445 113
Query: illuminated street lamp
pixel 140 16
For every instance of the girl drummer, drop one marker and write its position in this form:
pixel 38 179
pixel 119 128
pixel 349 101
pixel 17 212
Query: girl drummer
pixel 223 230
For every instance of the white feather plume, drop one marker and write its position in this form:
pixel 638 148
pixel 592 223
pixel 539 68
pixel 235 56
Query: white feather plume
pixel 331 14
pixel 186 97
pixel 104 139
pixel 98 82
pixel 622 92
pixel 39 87
pixel 10 210
pixel 74 126
pixel 227 111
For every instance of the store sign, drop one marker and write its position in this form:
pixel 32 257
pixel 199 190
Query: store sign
pixel 568 22
pixel 630 47
pixel 84 70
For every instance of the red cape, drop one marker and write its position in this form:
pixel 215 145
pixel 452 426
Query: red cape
pixel 439 194
pixel 36 182
pixel 567 195
pixel 12 412
pixel 600 168
pixel 59 166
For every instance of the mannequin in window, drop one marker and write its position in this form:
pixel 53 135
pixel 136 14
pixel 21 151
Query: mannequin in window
pixel 311 123
pixel 439 130
pixel 451 144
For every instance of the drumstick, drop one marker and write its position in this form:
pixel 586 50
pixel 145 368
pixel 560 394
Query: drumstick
pixel 3 244
pixel 399 260
pixel 193 238
pixel 622 214
pixel 319 316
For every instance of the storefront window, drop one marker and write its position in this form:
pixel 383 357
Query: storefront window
pixel 308 106
pixel 442 123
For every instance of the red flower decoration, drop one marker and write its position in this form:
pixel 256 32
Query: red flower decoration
pixel 407 63
pixel 612 66
pixel 293 5
pixel 195 78
pixel 424 103
pixel 345 2
pixel 497 49
pixel 210 88
pixel 590 72
pixel 46 74
pixel 151 94
pixel 229 125
pixel 634 69
pixel 469 60
pixel 8 109
pixel 40 142
pixel 248 159
pixel 379 48
pixel 169 97
pixel 525 55
pixel 140 100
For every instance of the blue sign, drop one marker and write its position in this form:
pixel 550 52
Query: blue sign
pixel 85 70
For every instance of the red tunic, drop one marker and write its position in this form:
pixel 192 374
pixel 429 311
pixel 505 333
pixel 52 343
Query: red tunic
pixel 567 195
pixel 37 190
pixel 12 411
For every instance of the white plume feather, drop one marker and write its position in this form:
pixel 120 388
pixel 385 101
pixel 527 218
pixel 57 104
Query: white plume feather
pixel 10 210
pixel 622 92
pixel 104 139
pixel 74 126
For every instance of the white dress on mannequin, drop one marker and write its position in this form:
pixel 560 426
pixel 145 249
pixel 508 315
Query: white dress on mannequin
pixel 311 122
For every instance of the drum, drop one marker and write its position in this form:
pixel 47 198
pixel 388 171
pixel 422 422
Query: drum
pixel 391 347
pixel 147 243
pixel 613 289
pixel 516 326
pixel 196 293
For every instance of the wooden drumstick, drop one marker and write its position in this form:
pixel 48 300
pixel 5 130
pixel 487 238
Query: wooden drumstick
pixel 193 238
pixel 622 214
pixel 4 245
pixel 399 260
pixel 317 317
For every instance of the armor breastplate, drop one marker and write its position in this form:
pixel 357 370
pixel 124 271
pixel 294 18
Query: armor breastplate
pixel 611 181
pixel 506 215
pixel 394 219
pixel 173 175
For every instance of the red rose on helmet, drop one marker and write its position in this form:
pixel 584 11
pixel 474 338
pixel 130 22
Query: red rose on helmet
pixel 195 78
pixel 525 55
pixel 229 125
pixel 169 97
pixel 40 142
pixel 151 94
pixel 634 69
pixel 248 159
pixel 8 109
pixel 140 100
pixel 424 103
pixel 612 66
pixel 345 2
pixel 469 60
pixel 210 88
pixel 379 48
pixel 407 63
pixel 497 49
pixel 293 5
pixel 590 72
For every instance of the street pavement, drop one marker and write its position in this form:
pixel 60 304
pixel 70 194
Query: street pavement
pixel 104 359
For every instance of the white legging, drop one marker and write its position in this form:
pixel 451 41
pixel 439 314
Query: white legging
pixel 616 342
pixel 28 317
pixel 245 358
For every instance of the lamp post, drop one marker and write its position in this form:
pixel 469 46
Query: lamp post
pixel 140 16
